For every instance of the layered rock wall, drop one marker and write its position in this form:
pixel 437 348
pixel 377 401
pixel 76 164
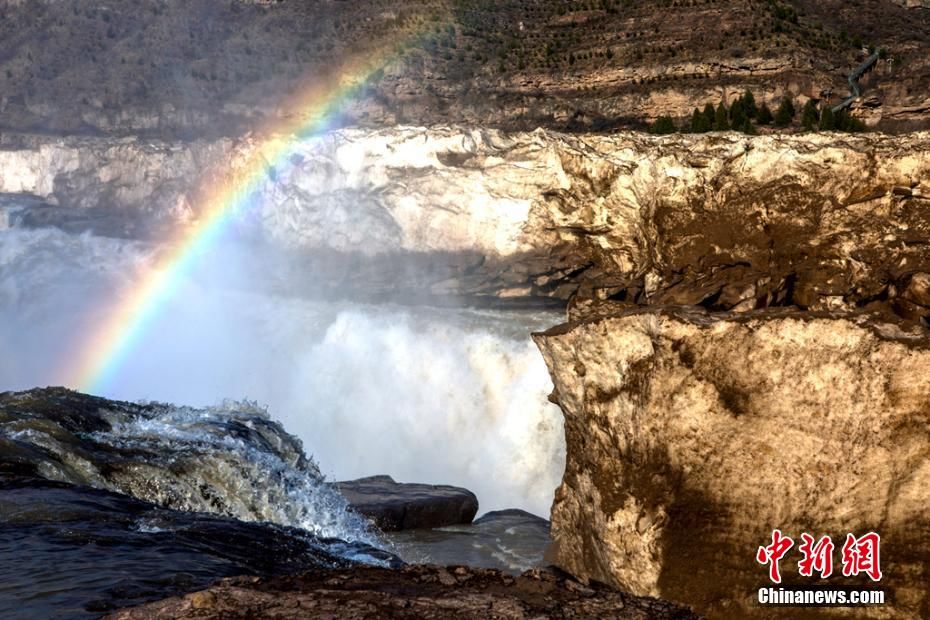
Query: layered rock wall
pixel 819 221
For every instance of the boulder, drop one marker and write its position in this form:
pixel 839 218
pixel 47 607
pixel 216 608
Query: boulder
pixel 691 436
pixel 397 506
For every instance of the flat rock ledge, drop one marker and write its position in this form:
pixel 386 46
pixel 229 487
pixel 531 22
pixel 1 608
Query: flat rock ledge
pixel 421 592
pixel 395 506
pixel 692 435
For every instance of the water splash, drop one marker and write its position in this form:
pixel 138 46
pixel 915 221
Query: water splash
pixel 232 460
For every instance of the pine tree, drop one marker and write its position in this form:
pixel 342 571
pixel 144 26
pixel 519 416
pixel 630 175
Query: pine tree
pixel 749 104
pixel 785 113
pixel 854 125
pixel 764 115
pixel 827 119
pixel 809 116
pixel 737 114
pixel 699 122
pixel 720 118
pixel 709 115
pixel 747 128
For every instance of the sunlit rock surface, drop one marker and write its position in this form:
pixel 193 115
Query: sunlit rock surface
pixel 819 221
pixel 691 436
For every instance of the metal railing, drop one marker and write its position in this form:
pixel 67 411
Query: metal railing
pixel 855 90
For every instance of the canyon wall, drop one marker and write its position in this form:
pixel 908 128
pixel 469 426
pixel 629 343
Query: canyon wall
pixel 221 69
pixel 820 221
pixel 747 330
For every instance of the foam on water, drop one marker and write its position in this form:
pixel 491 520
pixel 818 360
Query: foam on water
pixel 231 461
pixel 254 476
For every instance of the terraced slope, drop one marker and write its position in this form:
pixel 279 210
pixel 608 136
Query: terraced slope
pixel 220 67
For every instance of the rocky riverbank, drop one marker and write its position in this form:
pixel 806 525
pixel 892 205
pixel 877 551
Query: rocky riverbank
pixel 107 504
pixel 415 592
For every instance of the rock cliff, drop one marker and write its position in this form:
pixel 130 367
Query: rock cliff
pixel 820 221
pixel 786 390
pixel 691 436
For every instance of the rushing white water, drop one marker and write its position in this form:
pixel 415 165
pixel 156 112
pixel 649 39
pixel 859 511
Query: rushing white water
pixel 229 460
pixel 450 396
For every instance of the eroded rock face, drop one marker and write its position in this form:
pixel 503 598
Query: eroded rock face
pixel 818 221
pixel 501 64
pixel 691 436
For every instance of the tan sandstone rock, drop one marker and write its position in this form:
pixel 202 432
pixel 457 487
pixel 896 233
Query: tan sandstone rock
pixel 818 221
pixel 692 436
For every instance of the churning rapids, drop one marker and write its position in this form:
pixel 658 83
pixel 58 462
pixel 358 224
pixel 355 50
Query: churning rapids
pixel 450 396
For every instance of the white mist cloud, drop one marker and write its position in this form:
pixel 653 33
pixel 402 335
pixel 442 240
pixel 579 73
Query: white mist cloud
pixel 448 396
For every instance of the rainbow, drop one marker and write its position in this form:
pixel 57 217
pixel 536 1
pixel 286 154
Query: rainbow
pixel 111 343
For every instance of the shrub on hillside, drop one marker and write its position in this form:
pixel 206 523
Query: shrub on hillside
pixel 720 118
pixel 700 123
pixel 664 125
pixel 748 102
pixel 710 114
pixel 810 117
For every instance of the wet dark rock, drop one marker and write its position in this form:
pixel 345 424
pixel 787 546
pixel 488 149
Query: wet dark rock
pixel 74 552
pixel 397 506
pixel 232 461
pixel 105 503
pixel 420 592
